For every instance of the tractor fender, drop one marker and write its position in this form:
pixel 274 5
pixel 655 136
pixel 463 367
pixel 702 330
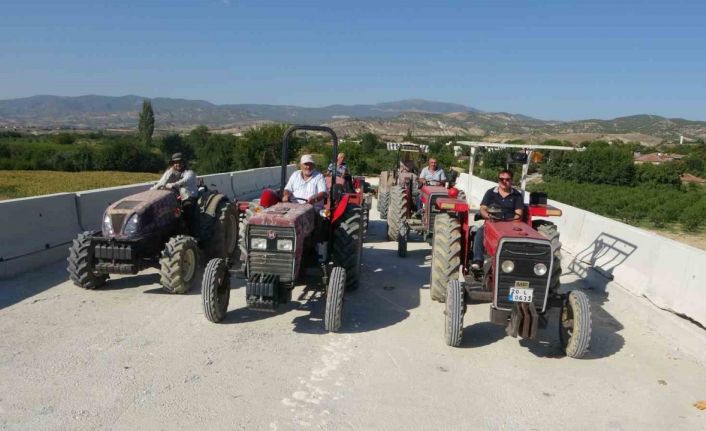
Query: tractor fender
pixel 212 204
pixel 340 208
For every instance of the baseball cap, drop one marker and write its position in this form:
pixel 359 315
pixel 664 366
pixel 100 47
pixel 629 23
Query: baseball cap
pixel 306 158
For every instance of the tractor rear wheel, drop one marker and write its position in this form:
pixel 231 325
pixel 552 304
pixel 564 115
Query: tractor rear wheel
pixel 397 213
pixel 242 231
pixel 178 264
pixel 550 231
pixel 81 263
pixel 383 204
pixel 348 244
pixel 220 236
pixel 366 220
pixel 334 299
pixel 215 290
pixel 445 255
pixel 455 309
pixel 575 324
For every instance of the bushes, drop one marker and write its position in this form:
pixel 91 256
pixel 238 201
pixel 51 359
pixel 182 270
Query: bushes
pixel 656 205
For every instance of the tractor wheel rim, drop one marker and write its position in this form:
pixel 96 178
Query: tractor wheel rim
pixel 188 265
pixel 231 234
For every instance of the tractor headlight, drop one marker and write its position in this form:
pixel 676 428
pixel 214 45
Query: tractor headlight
pixel 284 245
pixel 507 266
pixel 258 243
pixel 131 225
pixel 540 269
pixel 107 225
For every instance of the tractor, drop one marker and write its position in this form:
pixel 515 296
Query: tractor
pixel 520 276
pixel 148 229
pixel 281 241
pixel 399 197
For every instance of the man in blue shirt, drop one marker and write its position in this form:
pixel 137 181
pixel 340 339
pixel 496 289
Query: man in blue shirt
pixel 508 200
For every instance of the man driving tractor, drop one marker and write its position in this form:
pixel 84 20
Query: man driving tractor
pixel 432 175
pixel 182 181
pixel 508 200
pixel 306 185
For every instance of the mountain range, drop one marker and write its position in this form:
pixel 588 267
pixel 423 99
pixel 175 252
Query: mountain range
pixel 421 117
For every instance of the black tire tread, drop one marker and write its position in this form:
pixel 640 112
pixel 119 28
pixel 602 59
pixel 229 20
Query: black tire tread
pixel 80 266
pixel 347 244
pixel 446 255
pixel 454 313
pixel 383 204
pixel 334 300
pixel 397 212
pixel 579 342
pixel 215 278
pixel 170 264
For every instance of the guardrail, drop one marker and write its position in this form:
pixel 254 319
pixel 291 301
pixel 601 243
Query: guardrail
pixel 670 274
pixel 37 231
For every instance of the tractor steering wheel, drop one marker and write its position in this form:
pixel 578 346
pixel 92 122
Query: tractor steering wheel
pixel 306 201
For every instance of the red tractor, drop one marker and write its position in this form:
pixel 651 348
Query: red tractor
pixel 399 192
pixel 520 276
pixel 281 239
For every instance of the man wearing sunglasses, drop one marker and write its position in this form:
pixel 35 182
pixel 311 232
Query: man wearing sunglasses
pixel 508 200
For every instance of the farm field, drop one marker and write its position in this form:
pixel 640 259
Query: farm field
pixel 20 184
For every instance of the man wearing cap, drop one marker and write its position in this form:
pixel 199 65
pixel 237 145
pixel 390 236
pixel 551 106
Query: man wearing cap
pixel 306 185
pixel 183 181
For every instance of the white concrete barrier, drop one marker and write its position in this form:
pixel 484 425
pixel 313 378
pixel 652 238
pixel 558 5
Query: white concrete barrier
pixel 670 274
pixel 35 231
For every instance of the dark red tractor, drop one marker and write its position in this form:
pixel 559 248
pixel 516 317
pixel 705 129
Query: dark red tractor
pixel 399 196
pixel 520 276
pixel 281 239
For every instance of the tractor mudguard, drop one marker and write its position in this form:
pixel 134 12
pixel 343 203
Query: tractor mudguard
pixel 341 208
pixel 212 204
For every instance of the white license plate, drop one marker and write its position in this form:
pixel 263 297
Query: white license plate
pixel 518 294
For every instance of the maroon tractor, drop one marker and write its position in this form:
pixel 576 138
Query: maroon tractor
pixel 148 229
pixel 280 240
pixel 520 275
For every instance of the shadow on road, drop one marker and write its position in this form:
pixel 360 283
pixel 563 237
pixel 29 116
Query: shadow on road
pixel 31 283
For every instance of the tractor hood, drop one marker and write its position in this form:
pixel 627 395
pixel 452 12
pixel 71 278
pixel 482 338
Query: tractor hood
pixel 149 211
pixel 285 214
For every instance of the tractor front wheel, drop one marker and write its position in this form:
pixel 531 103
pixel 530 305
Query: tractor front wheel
pixel 397 214
pixel 455 309
pixel 445 255
pixel 178 264
pixel 81 263
pixel 215 290
pixel 348 244
pixel 575 324
pixel 334 299
pixel 383 204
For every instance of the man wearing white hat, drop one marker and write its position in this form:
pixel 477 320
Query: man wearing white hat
pixel 306 185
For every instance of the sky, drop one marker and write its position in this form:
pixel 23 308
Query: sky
pixel 551 59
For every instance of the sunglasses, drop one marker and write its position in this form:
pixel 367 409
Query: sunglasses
pixel 504 179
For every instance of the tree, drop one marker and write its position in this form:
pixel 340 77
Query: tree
pixel 145 127
pixel 175 144
pixel 64 139
pixel 198 137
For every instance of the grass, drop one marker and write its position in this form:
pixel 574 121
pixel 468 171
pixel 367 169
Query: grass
pixel 20 184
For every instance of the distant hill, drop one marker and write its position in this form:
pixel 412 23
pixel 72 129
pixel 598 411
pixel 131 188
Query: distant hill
pixel 422 117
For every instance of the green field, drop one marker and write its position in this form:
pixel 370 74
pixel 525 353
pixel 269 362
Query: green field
pixel 20 184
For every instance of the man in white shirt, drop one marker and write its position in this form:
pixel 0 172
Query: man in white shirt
pixel 182 180
pixel 432 174
pixel 306 185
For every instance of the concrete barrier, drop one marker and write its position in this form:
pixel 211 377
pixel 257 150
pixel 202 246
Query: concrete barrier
pixel 35 231
pixel 670 274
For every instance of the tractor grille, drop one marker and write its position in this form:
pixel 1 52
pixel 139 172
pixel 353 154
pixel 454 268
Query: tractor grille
pixel 117 221
pixel 525 255
pixel 271 261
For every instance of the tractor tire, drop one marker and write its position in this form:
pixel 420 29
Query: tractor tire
pixel 383 204
pixel 402 245
pixel 461 195
pixel 575 324
pixel 397 213
pixel 178 264
pixel 81 264
pixel 215 290
pixel 334 299
pixel 455 309
pixel 366 220
pixel 445 255
pixel 220 236
pixel 242 231
pixel 348 244
pixel 550 231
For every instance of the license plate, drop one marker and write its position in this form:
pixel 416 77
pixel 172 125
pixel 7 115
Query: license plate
pixel 518 294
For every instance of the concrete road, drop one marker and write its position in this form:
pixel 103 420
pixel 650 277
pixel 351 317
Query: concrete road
pixel 130 357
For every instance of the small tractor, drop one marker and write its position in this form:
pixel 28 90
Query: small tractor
pixel 281 240
pixel 148 229
pixel 399 192
pixel 520 276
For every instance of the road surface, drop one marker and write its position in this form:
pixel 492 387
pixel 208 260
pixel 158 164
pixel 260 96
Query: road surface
pixel 129 357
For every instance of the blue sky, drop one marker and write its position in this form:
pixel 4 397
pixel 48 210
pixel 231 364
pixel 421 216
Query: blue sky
pixel 548 59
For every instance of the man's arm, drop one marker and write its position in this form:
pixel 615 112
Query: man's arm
pixel 484 205
pixel 163 181
pixel 289 188
pixel 519 207
pixel 320 190
pixel 422 176
pixel 186 176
